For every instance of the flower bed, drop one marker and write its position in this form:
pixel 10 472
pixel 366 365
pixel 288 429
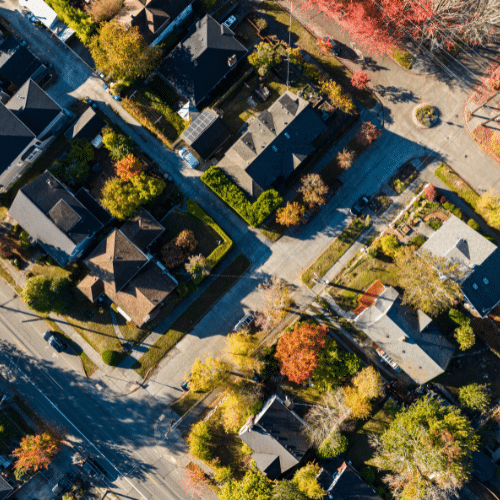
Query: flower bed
pixel 424 115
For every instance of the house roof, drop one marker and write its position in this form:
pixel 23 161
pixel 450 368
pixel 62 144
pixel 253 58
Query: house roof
pixel 409 337
pixel 93 206
pixel 116 260
pixel 92 287
pixel 369 296
pixel 200 61
pixel 5 488
pixel 142 229
pixel 52 215
pixel 17 63
pixel 275 144
pixel 33 107
pixel 276 438
pixel 345 484
pixel 86 127
pixel 483 467
pixel 479 258
pixel 206 133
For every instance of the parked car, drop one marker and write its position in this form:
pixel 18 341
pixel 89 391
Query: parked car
pixel 188 157
pixel 358 207
pixel 230 21
pixel 54 342
pixel 334 46
pixel 64 484
pixel 244 323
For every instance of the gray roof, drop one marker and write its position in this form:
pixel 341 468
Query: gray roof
pixel 276 438
pixel 275 144
pixel 52 215
pixel 200 61
pixel 93 206
pixel 142 229
pixel 409 337
pixel 345 484
pixel 5 488
pixel 33 107
pixel 86 127
pixel 17 63
pixel 479 258
pixel 483 467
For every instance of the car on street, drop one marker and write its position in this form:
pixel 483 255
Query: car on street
pixel 358 207
pixel 230 21
pixel 244 323
pixel 333 45
pixel 188 157
pixel 64 484
pixel 54 342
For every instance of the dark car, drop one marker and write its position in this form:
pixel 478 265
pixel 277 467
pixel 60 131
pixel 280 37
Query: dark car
pixel 64 484
pixel 53 341
pixel 358 207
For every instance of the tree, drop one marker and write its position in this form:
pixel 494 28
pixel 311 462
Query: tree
pixel 122 53
pixel 75 18
pixel 489 207
pixel 194 481
pixel 360 79
pixel 207 374
pixel 119 145
pixel 176 251
pixel 297 350
pixel 197 267
pixel 366 134
pixel 103 10
pixel 253 486
pixel 61 295
pixel 7 247
pixel 241 347
pixel 465 337
pixel 330 415
pixel 335 444
pixel 431 193
pixel 265 56
pixel 337 96
pixel 430 282
pixel 474 397
pixel 427 450
pixel 36 452
pixel 368 382
pixel 36 294
pixel 128 167
pixel 237 406
pixel 287 490
pixel 358 403
pixel 75 168
pixel 305 479
pixel 276 298
pixel 290 214
pixel 200 441
pixel 345 158
pixel 313 189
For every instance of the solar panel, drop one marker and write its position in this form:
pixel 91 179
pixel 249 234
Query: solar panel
pixel 199 126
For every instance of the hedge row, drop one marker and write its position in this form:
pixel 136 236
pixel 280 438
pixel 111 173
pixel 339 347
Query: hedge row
pixel 254 213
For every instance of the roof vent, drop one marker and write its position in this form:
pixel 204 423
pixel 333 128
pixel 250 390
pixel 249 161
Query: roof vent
pixel 474 286
pixel 486 281
pixel 287 135
pixel 231 61
pixel 275 149
pixel 51 183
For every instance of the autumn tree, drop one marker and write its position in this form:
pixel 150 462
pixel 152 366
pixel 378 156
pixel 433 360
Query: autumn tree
pixel 345 158
pixel 7 246
pixel 430 282
pixel 177 250
pixel 128 167
pixel 36 452
pixel 369 383
pixel 122 53
pixel 305 479
pixel 290 214
pixel 474 397
pixel 241 348
pixel 360 79
pixel 253 486
pixel 489 207
pixel 427 449
pixel 313 189
pixel 207 373
pixel 359 404
pixel 337 96
pixel 297 350
pixel 201 442
pixel 103 10
pixel 276 294
pixel 366 134
pixel 197 266
pixel 265 56
pixel 194 481
pixel 118 145
pixel 238 405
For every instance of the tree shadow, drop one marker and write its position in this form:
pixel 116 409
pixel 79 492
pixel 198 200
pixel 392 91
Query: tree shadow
pixel 396 94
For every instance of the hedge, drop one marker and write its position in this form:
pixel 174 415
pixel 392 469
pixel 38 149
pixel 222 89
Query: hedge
pixel 76 19
pixel 111 358
pixel 254 213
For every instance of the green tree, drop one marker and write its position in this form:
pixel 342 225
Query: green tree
pixel 430 282
pixel 287 490
pixel 305 479
pixel 475 397
pixel 265 56
pixel 76 19
pixel 335 444
pixel 61 295
pixel 119 145
pixel 427 450
pixel 200 441
pixel 36 294
pixel 337 97
pixel 465 337
pixel 207 374
pixel 122 52
pixel 75 168
pixel 253 486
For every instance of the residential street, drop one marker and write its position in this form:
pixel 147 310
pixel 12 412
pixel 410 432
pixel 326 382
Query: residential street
pixel 122 427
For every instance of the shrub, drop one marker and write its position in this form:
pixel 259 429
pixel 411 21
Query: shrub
pixel 381 491
pixel 418 240
pixel 431 193
pixel 345 158
pixel 372 252
pixel 489 237
pixel 367 473
pixel 222 474
pixel 435 224
pixel 333 446
pixel 111 357
pixel 449 206
pixel 200 442
pixel 312 72
pixel 261 24
pixel 475 397
pixel 367 133
pixel 252 213
pixel 388 244
pixel 402 57
pixel 458 317
pixel 474 225
pixel 24 240
pixel 176 251
pixel 425 115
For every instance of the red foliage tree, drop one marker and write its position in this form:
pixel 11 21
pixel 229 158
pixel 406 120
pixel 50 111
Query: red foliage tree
pixel 325 44
pixel 431 193
pixel 360 79
pixel 128 167
pixel 297 350
pixel 36 452
pixel 367 133
pixel 7 247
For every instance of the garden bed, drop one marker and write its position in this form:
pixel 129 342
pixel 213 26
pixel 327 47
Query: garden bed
pixel 403 178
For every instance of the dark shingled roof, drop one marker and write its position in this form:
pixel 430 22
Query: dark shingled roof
pixel 86 127
pixel 5 488
pixel 200 61
pixel 142 229
pixel 483 467
pixel 33 107
pixel 345 484
pixel 94 207
pixel 276 438
pixel 43 208
pixel 17 63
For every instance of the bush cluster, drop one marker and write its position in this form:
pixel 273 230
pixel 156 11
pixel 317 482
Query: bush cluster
pixel 418 240
pixel 453 209
pixel 431 193
pixel 76 19
pixel 252 213
pixel 333 446
pixel 176 251
pixel 111 358
pixel 474 225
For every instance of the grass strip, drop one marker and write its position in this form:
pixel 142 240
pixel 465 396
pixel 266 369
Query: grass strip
pixel 184 404
pixel 457 185
pixel 333 253
pixel 192 315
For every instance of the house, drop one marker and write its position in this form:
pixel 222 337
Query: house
pixel 479 259
pixel 345 484
pixel 155 19
pixel 206 134
pixel 484 469
pixel 122 269
pixel 17 63
pixel 409 337
pixel 48 18
pixel 88 126
pixel 201 60
pixel 28 124
pixel 274 145
pixel 54 218
pixel 276 438
pixel 5 488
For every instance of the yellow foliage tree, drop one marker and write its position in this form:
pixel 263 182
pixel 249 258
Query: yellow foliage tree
pixel 238 406
pixel 207 374
pixel 241 346
pixel 337 97
pixel 489 207
pixel 368 382
pixel 358 403
pixel 305 479
pixel 290 214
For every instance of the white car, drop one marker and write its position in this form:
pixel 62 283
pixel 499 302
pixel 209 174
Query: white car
pixel 244 323
pixel 188 158
pixel 229 22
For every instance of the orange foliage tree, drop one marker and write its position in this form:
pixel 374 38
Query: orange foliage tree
pixel 36 452
pixel 297 350
pixel 290 214
pixel 128 167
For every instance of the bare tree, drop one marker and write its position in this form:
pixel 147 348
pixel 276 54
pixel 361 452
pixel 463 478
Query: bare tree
pixel 276 299
pixel 103 10
pixel 313 189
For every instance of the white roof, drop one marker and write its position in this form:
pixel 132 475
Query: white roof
pixel 48 17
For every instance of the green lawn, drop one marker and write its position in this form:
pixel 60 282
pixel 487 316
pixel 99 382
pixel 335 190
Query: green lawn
pixel 457 185
pixel 192 315
pixel 333 253
pixel 130 331
pixel 50 271
pixel 12 430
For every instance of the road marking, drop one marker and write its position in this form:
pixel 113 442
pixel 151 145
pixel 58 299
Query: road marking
pixel 19 344
pixel 151 479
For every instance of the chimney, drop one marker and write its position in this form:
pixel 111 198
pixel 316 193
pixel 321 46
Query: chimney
pixel 231 61
pixel 402 339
